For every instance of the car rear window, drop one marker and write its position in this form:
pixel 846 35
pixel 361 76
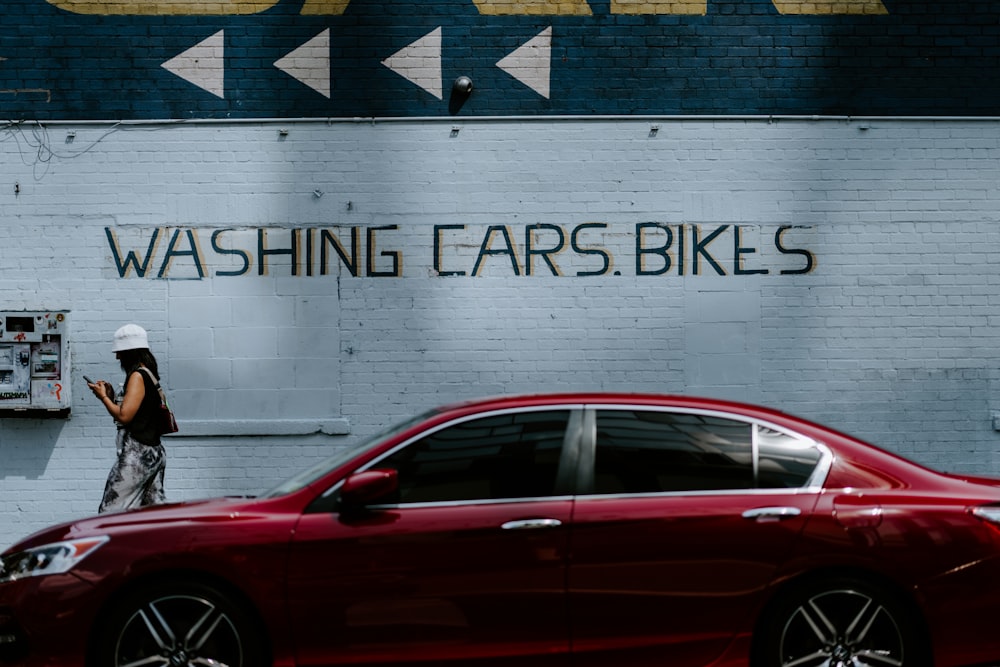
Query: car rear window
pixel 649 451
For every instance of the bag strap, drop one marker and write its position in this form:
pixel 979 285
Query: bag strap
pixel 156 383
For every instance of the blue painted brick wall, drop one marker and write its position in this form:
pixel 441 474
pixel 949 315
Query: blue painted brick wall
pixel 733 58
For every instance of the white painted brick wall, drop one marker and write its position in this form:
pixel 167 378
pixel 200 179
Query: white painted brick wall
pixel 893 336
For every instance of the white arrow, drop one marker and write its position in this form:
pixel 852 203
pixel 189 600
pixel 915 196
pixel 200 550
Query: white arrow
pixel 203 64
pixel 310 63
pixel 531 63
pixel 420 62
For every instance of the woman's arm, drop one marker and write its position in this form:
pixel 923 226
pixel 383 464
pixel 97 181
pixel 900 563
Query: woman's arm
pixel 135 391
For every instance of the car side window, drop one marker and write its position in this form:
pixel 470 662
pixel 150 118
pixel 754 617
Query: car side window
pixel 510 455
pixel 784 461
pixel 652 451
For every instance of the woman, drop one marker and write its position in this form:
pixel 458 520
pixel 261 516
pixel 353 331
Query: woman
pixel 136 479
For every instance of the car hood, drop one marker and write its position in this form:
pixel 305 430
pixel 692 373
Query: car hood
pixel 195 511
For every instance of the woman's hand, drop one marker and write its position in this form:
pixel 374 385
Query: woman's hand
pixel 100 388
pixel 105 393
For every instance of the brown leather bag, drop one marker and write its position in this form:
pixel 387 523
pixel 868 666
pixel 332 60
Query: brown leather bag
pixel 165 423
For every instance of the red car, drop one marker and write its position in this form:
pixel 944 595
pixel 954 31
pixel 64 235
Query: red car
pixel 575 529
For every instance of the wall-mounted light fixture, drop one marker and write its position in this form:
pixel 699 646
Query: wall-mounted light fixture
pixel 461 89
pixel 462 85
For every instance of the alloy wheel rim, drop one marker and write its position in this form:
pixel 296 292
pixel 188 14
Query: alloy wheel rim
pixel 179 631
pixel 841 628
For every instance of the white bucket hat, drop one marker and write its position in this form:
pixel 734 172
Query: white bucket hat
pixel 130 337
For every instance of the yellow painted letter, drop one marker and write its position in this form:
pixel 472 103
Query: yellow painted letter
pixel 533 7
pixel 639 7
pixel 164 7
pixel 325 7
pixel 817 7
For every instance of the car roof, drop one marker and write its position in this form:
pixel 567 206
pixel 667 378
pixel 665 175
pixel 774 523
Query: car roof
pixel 615 398
pixel 800 425
pixel 845 444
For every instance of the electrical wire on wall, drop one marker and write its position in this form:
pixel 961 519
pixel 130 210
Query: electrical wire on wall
pixel 36 148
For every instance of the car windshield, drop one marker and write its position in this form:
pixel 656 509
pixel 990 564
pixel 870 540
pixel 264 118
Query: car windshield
pixel 315 472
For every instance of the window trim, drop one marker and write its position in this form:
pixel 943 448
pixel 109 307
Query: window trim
pixel 565 482
pixel 813 484
pixel 574 478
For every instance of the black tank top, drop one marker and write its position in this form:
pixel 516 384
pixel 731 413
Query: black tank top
pixel 143 426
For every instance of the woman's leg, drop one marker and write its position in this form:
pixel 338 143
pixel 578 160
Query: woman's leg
pixel 136 479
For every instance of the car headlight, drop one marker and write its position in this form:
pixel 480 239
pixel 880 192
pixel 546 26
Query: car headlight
pixel 54 558
pixel 989 513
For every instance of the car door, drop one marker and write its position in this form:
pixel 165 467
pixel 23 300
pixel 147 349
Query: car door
pixel 467 563
pixel 678 530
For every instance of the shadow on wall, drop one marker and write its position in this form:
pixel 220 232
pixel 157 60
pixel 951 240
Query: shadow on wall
pixel 26 445
pixel 857 70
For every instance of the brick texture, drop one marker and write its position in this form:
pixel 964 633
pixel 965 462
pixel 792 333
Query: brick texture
pixel 557 267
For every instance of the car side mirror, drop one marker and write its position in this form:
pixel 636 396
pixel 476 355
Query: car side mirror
pixel 364 488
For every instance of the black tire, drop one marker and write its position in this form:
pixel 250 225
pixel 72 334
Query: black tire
pixel 179 624
pixel 841 622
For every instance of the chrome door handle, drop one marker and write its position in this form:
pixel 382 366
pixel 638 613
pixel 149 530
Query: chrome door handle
pixel 773 513
pixel 530 524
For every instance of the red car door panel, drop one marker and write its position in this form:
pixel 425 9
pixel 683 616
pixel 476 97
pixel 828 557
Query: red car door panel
pixel 442 583
pixel 670 580
pixel 681 526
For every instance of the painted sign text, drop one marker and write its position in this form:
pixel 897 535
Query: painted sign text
pixel 583 250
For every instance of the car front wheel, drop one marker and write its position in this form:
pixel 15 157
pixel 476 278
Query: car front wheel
pixel 841 623
pixel 179 625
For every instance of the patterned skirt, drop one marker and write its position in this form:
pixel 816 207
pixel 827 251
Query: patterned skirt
pixel 136 479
